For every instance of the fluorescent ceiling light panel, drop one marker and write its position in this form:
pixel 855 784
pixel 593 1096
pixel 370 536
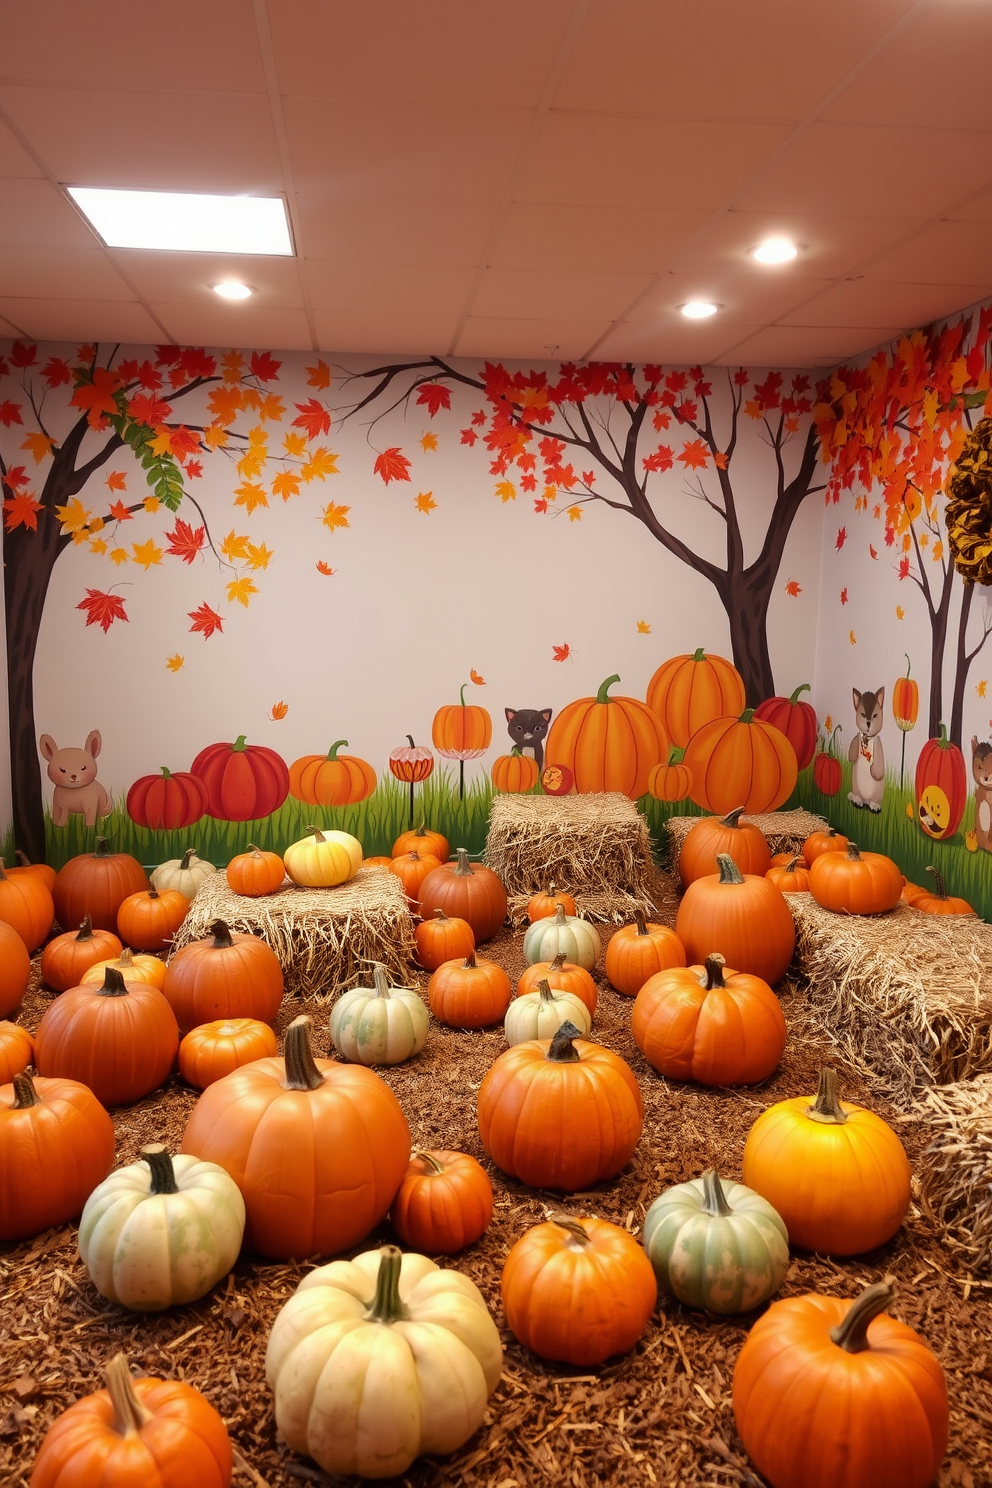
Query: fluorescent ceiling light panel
pixel 182 221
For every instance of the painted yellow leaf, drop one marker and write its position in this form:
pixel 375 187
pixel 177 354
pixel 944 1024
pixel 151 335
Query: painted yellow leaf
pixel 252 463
pixel 80 536
pixel 259 557
pixel 575 514
pixel 938 550
pixel 295 444
pixel 286 484
pixel 40 446
pixel 930 407
pixel 550 493
pixel 924 540
pixel 214 436
pixel 235 545
pixel 336 516
pixel 97 524
pixel 241 590
pixel 272 408
pixel 234 365
pixel 425 502
pixel 322 463
pixel 853 638
pixel 900 613
pixel 643 628
pixel 506 491
pixel 147 553
pixel 320 376
pixel 151 505
pixel 118 556
pixel 97 545
pixel 981 686
pixel 162 443
pixel 175 663
pixel 73 515
pixel 250 496
pixel 428 441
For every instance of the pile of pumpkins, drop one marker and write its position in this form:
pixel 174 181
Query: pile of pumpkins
pixel 557 1111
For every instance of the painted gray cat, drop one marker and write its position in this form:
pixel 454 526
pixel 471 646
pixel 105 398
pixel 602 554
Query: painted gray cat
pixel 865 753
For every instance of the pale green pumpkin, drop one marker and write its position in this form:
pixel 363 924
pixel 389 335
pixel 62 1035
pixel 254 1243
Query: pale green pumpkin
pixel 715 1245
pixel 540 1014
pixel 185 874
pixel 549 938
pixel 161 1232
pixel 380 1024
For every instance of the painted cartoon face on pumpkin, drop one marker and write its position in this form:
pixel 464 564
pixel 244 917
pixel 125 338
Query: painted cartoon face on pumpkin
pixel 557 780
pixel 934 811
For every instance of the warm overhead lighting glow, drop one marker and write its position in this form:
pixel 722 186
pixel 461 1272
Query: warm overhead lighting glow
pixel 232 289
pixel 775 251
pixel 182 221
pixel 699 309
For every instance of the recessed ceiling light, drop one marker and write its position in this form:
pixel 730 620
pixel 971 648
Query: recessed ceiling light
pixel 698 309
pixel 186 222
pixel 775 251
pixel 232 289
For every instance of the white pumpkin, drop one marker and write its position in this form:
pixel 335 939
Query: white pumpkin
pixel 540 1014
pixel 548 938
pixel 185 874
pixel 380 1024
pixel 161 1232
pixel 377 1360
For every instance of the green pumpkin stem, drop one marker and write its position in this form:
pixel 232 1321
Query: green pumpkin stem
pixel 462 869
pixel 562 1050
pixel 578 1235
pixel 332 753
pixel 803 687
pixel 301 1069
pixel 156 1155
pixel 187 855
pixel 729 871
pixel 732 818
pixel 114 984
pixel 239 746
pixel 386 1306
pixel 714 1198
pixel 602 694
pixel 381 981
pixel 852 1334
pixel 939 890
pixel 221 932
pixel 827 1108
pixel 85 929
pixel 544 988
pixel 714 965
pixel 746 716
pixel 102 849
pixel 699 654
pixel 129 1413
pixel 165 772
pixel 24 1092
pixel 430 1162
pixel 318 835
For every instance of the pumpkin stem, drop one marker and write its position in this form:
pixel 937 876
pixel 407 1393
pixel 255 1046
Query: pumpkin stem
pixel 559 961
pixel 317 834
pixel 386 1306
pixel 640 922
pixel 412 745
pixel 126 957
pixel 827 1107
pixel 238 747
pixel 470 960
pixel 85 929
pixel 156 1155
pixel 251 848
pixel 462 868
pixel 129 1413
pixel 908 664
pixel 601 696
pixel 560 917
pixel 102 849
pixel 941 740
pixel 699 654
pixel 381 981
pixel 729 871
pixel 544 988
pixel 714 1198
pixel 332 753
pixel 221 932
pixel 165 772
pixel 562 1050
pixel 578 1236
pixel 114 984
pixel 803 687
pixel 852 1333
pixel 854 852
pixel 794 864
pixel 939 891
pixel 733 818
pixel 153 892
pixel 187 855
pixel 714 971
pixel 301 1070
pixel 23 860
pixel 25 1093
pixel 440 917
pixel 429 1161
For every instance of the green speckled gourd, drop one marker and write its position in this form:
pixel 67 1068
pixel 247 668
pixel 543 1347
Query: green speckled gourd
pixel 548 938
pixel 380 1024
pixel 714 1245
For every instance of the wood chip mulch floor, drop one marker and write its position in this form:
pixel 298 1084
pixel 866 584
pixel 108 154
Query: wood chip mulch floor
pixel 661 1415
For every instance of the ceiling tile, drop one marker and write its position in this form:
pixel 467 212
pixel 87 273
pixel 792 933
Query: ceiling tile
pixel 37 270
pixel 976 208
pixel 216 143
pixel 871 302
pixel 412 332
pixel 397 52
pixel 830 244
pixel 235 325
pixel 745 296
pixel 592 239
pixel 392 289
pixel 772 60
pixel 81 320
pixel 174 277
pixel 36 213
pixel 791 346
pixel 871 172
pixel 616 161
pixel 209 47
pixel 431 150
pixel 944 253
pixel 550 294
pixel 14 159
pixel 373 228
pixel 669 342
pixel 528 340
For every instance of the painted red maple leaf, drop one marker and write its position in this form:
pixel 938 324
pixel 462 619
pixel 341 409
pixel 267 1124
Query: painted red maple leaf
pixel 841 538
pixel 10 413
pixel 23 354
pixel 843 596
pixel 121 512
pixel 265 366
pixel 184 541
pixel 146 408
pixel 183 442
pixel 313 417
pixel 434 397
pixel 96 398
pixel 102 609
pixel 56 372
pixel 392 465
pixel 560 653
pixel 469 436
pixel 21 510
pixel 205 620
pixel 659 459
pixel 16 477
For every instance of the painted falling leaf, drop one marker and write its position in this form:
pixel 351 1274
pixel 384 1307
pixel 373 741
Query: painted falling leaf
pixel 279 710
pixel 425 502
pixel 175 663
pixel 323 568
pixel 900 613
pixel 428 442
pixel 643 628
pixel 506 491
pixel 575 514
pixel 981 686
pixel 235 545
pixel 185 541
pixel 560 653
pixel 286 484
pixel 841 538
pixel 241 590
pixel 852 638
pixel 260 556
pixel 474 677
pixel 40 446
pixel 320 376
pixel 295 444
pixel 102 609
pixel 313 417
pixel 793 588
pixel 335 516
pixel 321 464
pixel 148 554
pixel 871 551
pixel 843 596
pixel 392 465
pixel 205 620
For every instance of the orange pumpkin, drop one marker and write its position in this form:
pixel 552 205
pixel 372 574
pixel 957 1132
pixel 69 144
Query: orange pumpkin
pixel 690 691
pixel 855 882
pixel 821 842
pixel 561 975
pixel 26 905
pixel 671 781
pixel 378 860
pixel 423 841
pixel 743 917
pixel 792 877
pixel 16 1051
pixel 515 773
pixel 742 841
pixel 905 700
pixel 132 968
pixel 441 939
pixel 15 969
pixel 411 764
pixel 254 873
pixel 331 779
pixel 227 976
pixel 66 959
pixel 469 994
pixel 461 730
pixel 444 1203
pixel 937 900
pixel 149 919
pixel 466 891
pixel 44 871
pixel 543 906
pixel 638 951
pixel 212 1050
pixel 56 1145
pixel 709 1024
pixel 783 859
pixel 96 884
pixel 609 744
pixel 741 759
pixel 411 869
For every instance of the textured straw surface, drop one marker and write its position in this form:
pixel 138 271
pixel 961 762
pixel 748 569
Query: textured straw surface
pixel 785 831
pixel 955 1173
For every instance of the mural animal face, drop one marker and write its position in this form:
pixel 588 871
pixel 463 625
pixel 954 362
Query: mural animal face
pixel 981 764
pixel 71 768
pixel 868 710
pixel 934 811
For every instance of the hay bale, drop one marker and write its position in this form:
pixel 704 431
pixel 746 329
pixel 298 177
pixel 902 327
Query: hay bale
pixel 325 939
pixel 595 847
pixel 785 831
pixel 906 996
pixel 955 1174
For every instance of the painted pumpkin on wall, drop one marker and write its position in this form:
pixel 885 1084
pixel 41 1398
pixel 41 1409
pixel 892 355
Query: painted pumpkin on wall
pixel 167 801
pixel 796 719
pixel 608 743
pixel 243 781
pixel 941 786
pixel 827 775
pixel 331 779
pixel 688 691
pixel 741 762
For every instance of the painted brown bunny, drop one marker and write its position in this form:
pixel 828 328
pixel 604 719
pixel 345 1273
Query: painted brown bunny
pixel 73 773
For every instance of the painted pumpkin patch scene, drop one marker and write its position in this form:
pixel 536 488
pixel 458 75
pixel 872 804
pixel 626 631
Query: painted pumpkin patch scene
pixel 495 745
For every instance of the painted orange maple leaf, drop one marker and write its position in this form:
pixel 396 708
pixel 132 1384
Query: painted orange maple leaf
pixel 474 676
pixel 324 568
pixel 693 455
pixel 97 398
pixel 793 588
pixel 428 442
pixel 279 710
pixel 320 376
pixel 21 510
pixel 116 481
pixel 643 628
pixel 425 502
pixel 560 653
pixel 175 663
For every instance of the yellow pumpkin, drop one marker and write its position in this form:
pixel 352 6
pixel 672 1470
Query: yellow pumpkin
pixel 323 859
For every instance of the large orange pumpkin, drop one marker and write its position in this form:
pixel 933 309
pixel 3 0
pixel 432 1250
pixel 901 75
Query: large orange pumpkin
pixel 96 884
pixel 465 891
pixel 331 779
pixel 444 1203
pixel 867 1399
pixel 318 1148
pixel 741 759
pixel 609 744
pixel 66 959
pixel 855 882
pixel 742 841
pixel 636 952
pixel 743 917
pixel 15 969
pixel 561 975
pixel 469 994
pixel 26 905
pixel 56 1145
pixel 688 691
pixel 227 976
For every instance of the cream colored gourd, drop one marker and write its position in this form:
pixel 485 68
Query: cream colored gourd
pixel 322 860
pixel 185 874
pixel 548 938
pixel 716 1245
pixel 540 1014
pixel 377 1360
pixel 161 1232
pixel 380 1024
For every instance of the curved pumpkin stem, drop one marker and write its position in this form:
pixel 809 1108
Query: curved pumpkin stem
pixel 729 871
pixel 156 1155
pixel 794 864
pixel 602 695
pixel 714 971
pixel 114 984
pixel 386 1306
pixel 463 869
pixel 187 855
pixel 332 753
pixel 939 891
pixel 317 834
pixel 301 1070
pixel 558 962
pixel 126 957
pixel 469 961
pixel 852 1333
pixel 714 1198
pixel 129 1413
pixel 25 1093
pixel 221 932
pixel 440 918
pixel 827 1107
pixel 578 1236
pixel 85 929
pixel 803 687
pixel 746 716
pixel 732 818
pixel 562 1050
pixel 435 1168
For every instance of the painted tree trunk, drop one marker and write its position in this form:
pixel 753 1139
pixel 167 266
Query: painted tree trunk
pixel 746 597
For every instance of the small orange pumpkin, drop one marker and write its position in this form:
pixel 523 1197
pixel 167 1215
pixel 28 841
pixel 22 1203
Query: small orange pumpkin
pixel 411 869
pixel 132 968
pixel 212 1050
pixel 442 939
pixel 466 891
pixel 226 976
pixel 823 842
pixel 561 975
pixel 855 882
pixel 638 951
pixel 254 872
pixel 445 1202
pixel 469 994
pixel 515 773
pixel 791 877
pixel 148 920
pixel 422 840
pixel 66 959
pixel 542 906
pixel 742 841
pixel 743 917
pixel 671 781
pixel 26 905
pixel 937 901
pixel 16 1051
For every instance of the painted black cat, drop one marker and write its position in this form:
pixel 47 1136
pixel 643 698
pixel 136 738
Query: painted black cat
pixel 528 728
